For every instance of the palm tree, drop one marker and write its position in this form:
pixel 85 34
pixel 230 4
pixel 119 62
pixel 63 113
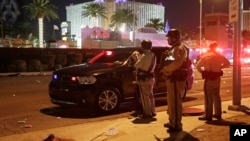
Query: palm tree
pixel 23 28
pixel 122 16
pixel 41 9
pixel 156 23
pixel 94 11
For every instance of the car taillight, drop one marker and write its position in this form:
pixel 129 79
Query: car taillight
pixel 73 78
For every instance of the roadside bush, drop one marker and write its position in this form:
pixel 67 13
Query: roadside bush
pixel 58 66
pixel 17 65
pixel 35 65
pixel 49 60
pixel 74 58
pixel 85 57
pixel 44 67
pixel 88 56
pixel 60 61
pixel 11 68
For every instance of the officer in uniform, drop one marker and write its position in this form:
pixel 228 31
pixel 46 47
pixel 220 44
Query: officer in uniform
pixel 210 65
pixel 145 78
pixel 138 105
pixel 175 81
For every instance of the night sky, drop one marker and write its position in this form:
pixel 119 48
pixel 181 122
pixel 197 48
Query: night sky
pixel 178 12
pixel 185 13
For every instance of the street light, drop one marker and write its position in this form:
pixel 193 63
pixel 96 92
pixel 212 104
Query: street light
pixel 134 44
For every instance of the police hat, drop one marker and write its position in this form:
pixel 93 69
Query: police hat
pixel 175 33
pixel 146 44
pixel 213 45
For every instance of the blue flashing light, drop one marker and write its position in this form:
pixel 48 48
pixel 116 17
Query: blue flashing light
pixel 55 76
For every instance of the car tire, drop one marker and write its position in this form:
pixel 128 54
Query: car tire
pixel 108 100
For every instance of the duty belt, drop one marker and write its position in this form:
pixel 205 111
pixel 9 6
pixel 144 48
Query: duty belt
pixel 142 75
pixel 211 75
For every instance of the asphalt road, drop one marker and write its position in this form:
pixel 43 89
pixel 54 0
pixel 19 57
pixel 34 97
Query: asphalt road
pixel 25 104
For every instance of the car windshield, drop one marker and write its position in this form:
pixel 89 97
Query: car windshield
pixel 110 56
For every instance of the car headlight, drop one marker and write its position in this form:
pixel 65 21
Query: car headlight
pixel 86 79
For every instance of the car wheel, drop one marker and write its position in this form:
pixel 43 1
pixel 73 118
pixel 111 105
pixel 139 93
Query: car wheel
pixel 108 100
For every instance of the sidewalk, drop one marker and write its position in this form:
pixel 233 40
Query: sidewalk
pixel 134 129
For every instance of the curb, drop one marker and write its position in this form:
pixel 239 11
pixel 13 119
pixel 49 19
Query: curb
pixel 24 74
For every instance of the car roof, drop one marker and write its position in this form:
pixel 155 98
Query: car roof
pixel 157 50
pixel 135 48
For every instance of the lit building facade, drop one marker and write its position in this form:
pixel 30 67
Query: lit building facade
pixel 215 28
pixel 143 12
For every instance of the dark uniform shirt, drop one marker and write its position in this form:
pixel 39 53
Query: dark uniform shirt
pixel 212 62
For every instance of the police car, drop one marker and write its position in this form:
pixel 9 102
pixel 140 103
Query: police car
pixel 105 81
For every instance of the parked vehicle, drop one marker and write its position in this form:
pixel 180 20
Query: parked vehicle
pixel 105 81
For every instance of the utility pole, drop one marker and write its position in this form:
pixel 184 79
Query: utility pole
pixel 200 24
pixel 235 16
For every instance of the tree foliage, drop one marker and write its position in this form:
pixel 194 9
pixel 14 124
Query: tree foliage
pixel 41 9
pixel 94 10
pixel 156 23
pixel 123 16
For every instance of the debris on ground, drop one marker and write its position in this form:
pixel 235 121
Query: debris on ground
pixel 52 137
pixel 200 130
pixel 112 131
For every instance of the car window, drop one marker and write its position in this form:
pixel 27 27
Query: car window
pixel 110 56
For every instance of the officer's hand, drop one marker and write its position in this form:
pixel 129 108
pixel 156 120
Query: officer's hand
pixel 117 62
pixel 165 72
pixel 135 55
pixel 131 63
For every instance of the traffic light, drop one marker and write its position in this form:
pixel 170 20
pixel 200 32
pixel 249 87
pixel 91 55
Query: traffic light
pixel 230 30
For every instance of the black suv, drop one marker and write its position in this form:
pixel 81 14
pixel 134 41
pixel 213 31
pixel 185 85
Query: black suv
pixel 104 81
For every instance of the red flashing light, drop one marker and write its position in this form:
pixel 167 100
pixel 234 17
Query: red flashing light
pixel 108 53
pixel 73 78
pixel 247 50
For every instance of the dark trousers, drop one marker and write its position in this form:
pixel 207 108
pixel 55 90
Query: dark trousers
pixel 138 104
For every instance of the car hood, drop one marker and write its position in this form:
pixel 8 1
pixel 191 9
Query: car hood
pixel 88 69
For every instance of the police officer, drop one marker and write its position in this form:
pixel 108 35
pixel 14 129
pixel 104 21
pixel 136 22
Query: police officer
pixel 175 87
pixel 210 65
pixel 138 105
pixel 145 77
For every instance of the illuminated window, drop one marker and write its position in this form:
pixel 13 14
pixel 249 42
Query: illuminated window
pixel 99 1
pixel 117 1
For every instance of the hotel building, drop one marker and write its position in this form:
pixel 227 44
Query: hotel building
pixel 143 12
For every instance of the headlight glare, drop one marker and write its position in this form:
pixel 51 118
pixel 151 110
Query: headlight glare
pixel 86 79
